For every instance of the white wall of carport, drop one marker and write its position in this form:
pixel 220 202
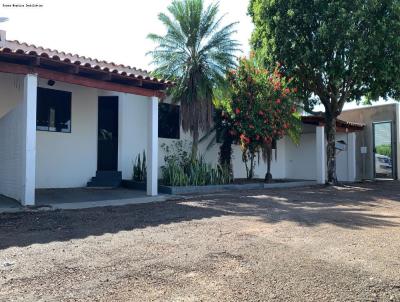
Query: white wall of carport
pixel 300 159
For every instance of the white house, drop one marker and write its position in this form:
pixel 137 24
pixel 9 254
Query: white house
pixel 63 117
pixel 67 121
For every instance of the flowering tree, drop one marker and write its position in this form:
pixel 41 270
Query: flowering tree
pixel 262 110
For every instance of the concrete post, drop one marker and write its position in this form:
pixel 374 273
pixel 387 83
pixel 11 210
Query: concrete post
pixel 320 154
pixel 397 159
pixel 29 140
pixel 152 148
pixel 351 156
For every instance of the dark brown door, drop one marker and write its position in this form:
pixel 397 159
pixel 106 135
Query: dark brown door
pixel 107 145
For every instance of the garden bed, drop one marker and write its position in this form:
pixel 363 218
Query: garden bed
pixel 239 184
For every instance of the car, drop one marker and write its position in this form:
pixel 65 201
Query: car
pixel 383 165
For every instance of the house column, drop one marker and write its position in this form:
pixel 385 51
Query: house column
pixel 152 148
pixel 351 156
pixel 29 140
pixel 320 154
pixel 397 154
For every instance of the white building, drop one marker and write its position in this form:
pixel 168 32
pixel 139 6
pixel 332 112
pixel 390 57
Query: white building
pixel 65 119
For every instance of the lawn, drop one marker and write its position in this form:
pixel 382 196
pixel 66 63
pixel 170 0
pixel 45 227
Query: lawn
pixel 308 244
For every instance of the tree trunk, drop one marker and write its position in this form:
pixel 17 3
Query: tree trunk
pixel 251 171
pixel 330 131
pixel 225 153
pixel 268 176
pixel 195 144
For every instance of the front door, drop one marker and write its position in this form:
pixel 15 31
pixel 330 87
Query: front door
pixel 383 150
pixel 107 145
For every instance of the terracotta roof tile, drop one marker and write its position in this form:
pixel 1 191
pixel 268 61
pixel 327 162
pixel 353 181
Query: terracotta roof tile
pixel 33 50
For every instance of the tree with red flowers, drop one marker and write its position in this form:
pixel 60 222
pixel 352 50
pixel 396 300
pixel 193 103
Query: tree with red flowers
pixel 262 110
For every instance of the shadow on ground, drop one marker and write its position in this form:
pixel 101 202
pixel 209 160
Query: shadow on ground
pixel 351 207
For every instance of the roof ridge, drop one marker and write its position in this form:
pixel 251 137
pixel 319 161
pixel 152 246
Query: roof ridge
pixel 79 56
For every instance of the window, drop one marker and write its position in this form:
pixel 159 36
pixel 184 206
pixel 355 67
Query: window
pixel 53 110
pixel 168 121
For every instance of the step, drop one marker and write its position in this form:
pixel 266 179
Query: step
pixel 109 174
pixel 101 183
pixel 111 179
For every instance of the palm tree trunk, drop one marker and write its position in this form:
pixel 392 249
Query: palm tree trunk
pixel 331 149
pixel 195 144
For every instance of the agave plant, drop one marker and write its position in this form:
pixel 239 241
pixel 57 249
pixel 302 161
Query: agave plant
pixel 196 52
pixel 140 168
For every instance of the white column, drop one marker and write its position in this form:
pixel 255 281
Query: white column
pixel 351 156
pixel 397 160
pixel 320 154
pixel 29 126
pixel 152 147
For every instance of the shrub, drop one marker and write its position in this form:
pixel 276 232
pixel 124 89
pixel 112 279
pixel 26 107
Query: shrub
pixel 140 168
pixel 181 170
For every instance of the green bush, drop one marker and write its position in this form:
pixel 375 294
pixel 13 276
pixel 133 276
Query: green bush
pixel 181 170
pixel 384 150
pixel 140 168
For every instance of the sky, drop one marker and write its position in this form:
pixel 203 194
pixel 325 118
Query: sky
pixel 111 30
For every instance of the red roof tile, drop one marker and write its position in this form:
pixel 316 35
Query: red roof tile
pixel 17 47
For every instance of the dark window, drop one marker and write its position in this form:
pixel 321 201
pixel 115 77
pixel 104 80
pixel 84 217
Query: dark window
pixel 53 110
pixel 168 121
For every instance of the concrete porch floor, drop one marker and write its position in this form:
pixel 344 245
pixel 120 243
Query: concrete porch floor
pixel 73 195
pixel 8 203
pixel 79 198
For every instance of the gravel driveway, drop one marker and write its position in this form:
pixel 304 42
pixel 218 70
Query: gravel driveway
pixel 308 244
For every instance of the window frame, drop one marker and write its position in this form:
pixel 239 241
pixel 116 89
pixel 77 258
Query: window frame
pixel 69 93
pixel 178 108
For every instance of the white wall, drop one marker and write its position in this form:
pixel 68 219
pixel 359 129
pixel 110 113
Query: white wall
pixel 301 160
pixel 69 159
pixel 12 153
pixel 11 91
pixel 342 171
pixel 211 152
pixel 132 131
pixel 17 137
pixel 11 135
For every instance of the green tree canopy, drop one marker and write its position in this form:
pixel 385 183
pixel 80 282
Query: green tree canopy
pixel 337 51
pixel 196 53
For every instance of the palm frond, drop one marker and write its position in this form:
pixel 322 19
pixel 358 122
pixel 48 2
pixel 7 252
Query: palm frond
pixel 196 52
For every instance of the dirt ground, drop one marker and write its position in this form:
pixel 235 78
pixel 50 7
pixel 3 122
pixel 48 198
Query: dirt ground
pixel 308 244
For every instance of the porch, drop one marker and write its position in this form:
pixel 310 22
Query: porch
pixel 53 142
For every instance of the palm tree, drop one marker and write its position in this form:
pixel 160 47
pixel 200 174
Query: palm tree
pixel 196 52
